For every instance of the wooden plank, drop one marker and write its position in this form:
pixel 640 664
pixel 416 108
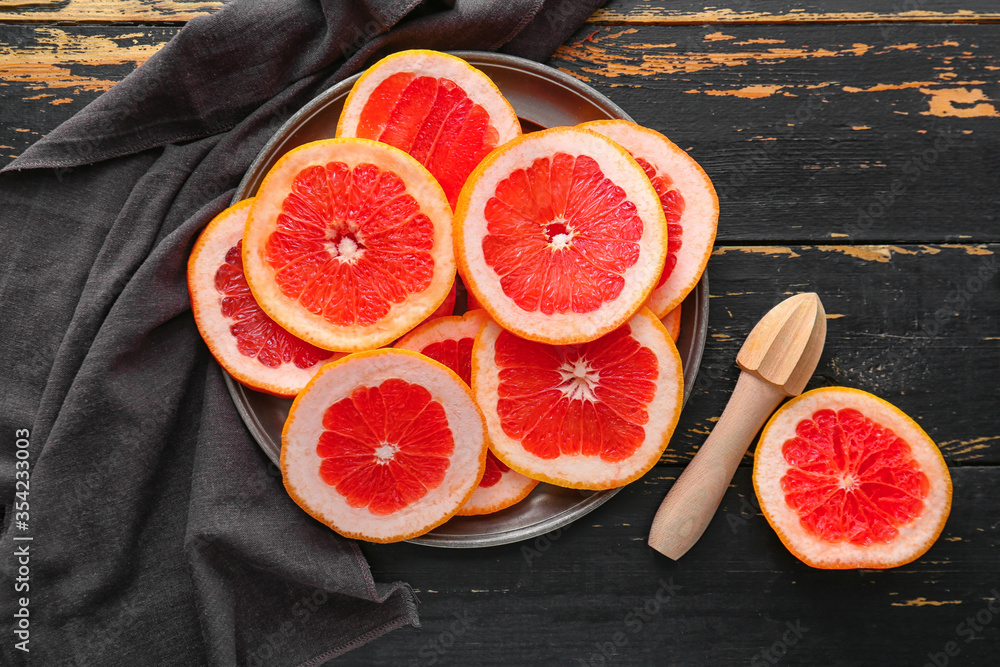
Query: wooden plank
pixel 635 12
pixel 561 599
pixel 106 11
pixel 809 130
pixel 915 324
pixel 656 12
pixel 48 73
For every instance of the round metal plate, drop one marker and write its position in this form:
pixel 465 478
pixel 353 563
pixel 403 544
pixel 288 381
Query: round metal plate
pixel 543 97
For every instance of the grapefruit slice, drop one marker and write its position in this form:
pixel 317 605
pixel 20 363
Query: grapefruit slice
pixel 499 489
pixel 560 236
pixel 383 445
pixel 449 340
pixel 348 244
pixel 672 321
pixel 689 203
pixel 591 416
pixel 243 339
pixel 848 481
pixel 436 107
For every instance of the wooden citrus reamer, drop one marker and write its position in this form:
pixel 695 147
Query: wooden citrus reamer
pixel 777 359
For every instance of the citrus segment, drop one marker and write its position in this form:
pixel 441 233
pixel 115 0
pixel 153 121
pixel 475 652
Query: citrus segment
pixel 560 236
pixel 449 340
pixel 348 244
pixel 436 107
pixel 672 321
pixel 383 445
pixel 245 341
pixel 847 480
pixel 689 204
pixel 593 416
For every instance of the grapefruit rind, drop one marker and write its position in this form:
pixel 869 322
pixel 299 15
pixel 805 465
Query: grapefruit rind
pixel 470 227
pixel 267 206
pixel 700 219
pixel 579 471
pixel 672 321
pixel 300 464
pixel 456 326
pixel 512 488
pixel 423 62
pixel 207 255
pixel 914 538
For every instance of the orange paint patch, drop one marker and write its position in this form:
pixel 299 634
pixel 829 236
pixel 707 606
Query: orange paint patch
pixel 759 40
pixel 65 100
pixel 603 62
pixel 889 86
pixel 748 92
pixel 718 37
pixel 860 127
pixel 943 101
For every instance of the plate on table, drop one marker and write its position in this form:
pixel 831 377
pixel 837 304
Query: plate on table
pixel 543 97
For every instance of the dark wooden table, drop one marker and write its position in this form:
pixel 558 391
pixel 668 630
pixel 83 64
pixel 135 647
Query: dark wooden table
pixel 857 154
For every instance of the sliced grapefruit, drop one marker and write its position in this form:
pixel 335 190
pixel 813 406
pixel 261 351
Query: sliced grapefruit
pixel 689 203
pixel 499 489
pixel 449 340
pixel 672 321
pixel 243 339
pixel 348 244
pixel 848 481
pixel 436 107
pixel 383 445
pixel 596 415
pixel 560 236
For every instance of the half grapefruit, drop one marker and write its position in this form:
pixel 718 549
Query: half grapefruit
pixel 243 339
pixel 436 107
pixel 348 244
pixel 560 236
pixel 383 445
pixel 689 203
pixel 596 415
pixel 849 481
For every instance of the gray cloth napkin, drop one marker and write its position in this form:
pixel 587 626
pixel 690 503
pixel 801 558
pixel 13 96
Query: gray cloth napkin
pixel 160 534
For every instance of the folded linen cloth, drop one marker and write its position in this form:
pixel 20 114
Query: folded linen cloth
pixel 160 534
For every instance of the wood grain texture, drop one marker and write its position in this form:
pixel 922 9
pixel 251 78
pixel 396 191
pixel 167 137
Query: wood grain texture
pixel 915 325
pixel 656 12
pixel 106 11
pixel 48 73
pixel 842 132
pixel 635 12
pixel 560 599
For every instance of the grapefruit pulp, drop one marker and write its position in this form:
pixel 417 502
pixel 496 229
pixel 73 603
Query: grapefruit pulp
pixel 449 340
pixel 245 341
pixel 848 481
pixel 560 236
pixel 348 244
pixel 436 107
pixel 588 416
pixel 383 445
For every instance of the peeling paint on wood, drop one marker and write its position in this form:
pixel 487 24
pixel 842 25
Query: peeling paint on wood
pixel 923 602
